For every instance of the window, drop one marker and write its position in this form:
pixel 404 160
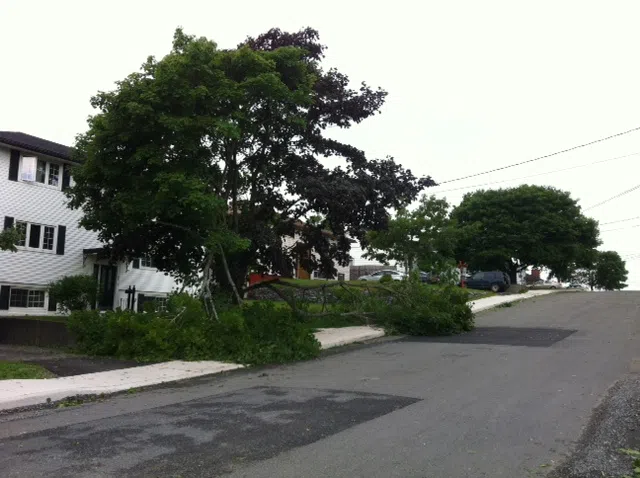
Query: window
pixel 26 298
pixel 160 303
pixel 54 174
pixel 47 238
pixel 147 262
pixel 40 171
pixel 478 276
pixel 36 236
pixel 22 229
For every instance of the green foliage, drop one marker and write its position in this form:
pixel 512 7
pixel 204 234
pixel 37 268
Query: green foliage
pixel 410 307
pixel 386 279
pixel 228 153
pixel 635 454
pixel 9 238
pixel 423 237
pixel 77 292
pixel 611 271
pixel 606 271
pixel 415 309
pixel 257 333
pixel 512 229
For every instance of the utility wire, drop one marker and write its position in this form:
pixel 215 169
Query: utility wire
pixel 613 197
pixel 620 228
pixel 620 220
pixel 543 157
pixel 539 174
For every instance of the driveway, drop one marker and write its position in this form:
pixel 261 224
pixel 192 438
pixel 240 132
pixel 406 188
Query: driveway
pixel 507 400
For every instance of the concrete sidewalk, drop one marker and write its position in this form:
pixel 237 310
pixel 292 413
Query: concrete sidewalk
pixel 496 300
pixel 23 393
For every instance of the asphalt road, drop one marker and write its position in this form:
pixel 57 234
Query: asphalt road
pixel 508 400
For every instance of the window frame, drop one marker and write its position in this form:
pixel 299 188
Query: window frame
pixel 30 294
pixel 149 259
pixel 47 173
pixel 27 237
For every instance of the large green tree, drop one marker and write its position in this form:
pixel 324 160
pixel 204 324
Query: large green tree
pixel 422 237
pixel 211 151
pixel 512 229
pixel 606 271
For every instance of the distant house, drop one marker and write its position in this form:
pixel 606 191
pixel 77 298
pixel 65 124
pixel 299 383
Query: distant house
pixel 533 277
pixel 343 272
pixel 34 173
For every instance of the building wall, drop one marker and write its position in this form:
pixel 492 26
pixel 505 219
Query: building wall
pixel 37 203
pixel 289 241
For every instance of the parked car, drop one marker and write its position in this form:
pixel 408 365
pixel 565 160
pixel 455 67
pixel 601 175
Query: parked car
pixel 429 278
pixel 494 281
pixel 577 286
pixel 376 276
pixel 547 284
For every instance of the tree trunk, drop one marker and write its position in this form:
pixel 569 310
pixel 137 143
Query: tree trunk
pixel 229 277
pixel 513 274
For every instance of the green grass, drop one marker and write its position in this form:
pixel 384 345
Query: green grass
pixel 17 370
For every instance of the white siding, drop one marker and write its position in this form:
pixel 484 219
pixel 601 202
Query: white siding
pixel 39 204
pixel 36 269
pixel 289 241
pixel 149 282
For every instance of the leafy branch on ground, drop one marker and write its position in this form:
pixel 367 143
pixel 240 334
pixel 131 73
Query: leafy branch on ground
pixel 635 454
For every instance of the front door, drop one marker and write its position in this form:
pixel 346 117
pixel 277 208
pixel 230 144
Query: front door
pixel 106 276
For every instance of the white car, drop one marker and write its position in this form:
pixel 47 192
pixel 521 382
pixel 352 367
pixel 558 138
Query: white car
pixel 376 276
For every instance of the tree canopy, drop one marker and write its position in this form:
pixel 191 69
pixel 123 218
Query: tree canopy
pixel 606 271
pixel 222 150
pixel 512 229
pixel 420 238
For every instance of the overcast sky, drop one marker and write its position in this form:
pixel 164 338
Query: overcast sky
pixel 472 85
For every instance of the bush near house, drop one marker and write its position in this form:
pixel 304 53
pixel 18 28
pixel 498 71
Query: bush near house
pixel 76 292
pixel 256 333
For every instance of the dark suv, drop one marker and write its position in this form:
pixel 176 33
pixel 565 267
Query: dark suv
pixel 494 281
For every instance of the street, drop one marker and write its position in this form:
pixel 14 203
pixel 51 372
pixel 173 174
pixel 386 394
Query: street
pixel 507 400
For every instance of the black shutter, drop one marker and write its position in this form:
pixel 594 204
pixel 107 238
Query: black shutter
pixel 140 302
pixel 4 297
pixel 14 165
pixel 53 305
pixel 8 222
pixel 136 263
pixel 96 275
pixel 66 176
pixel 34 236
pixel 62 232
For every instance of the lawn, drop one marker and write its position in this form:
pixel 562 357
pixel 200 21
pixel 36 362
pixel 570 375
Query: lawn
pixel 18 370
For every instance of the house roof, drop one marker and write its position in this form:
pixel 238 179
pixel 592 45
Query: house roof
pixel 35 144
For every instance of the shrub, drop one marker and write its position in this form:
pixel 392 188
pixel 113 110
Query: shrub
pixel 386 279
pixel 416 309
pixel 252 334
pixel 410 307
pixel 74 292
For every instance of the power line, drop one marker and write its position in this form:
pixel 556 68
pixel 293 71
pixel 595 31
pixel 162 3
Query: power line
pixel 539 174
pixel 613 197
pixel 543 157
pixel 620 228
pixel 620 220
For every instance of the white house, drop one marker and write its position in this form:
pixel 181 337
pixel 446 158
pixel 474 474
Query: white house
pixel 343 272
pixel 33 175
